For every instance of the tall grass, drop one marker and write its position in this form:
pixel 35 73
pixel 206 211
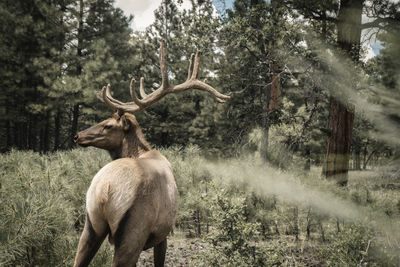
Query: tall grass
pixel 42 205
pixel 240 206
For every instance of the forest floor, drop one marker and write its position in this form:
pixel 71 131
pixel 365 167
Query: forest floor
pixel 183 251
pixel 180 252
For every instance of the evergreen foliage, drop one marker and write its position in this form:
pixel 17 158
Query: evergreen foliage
pixel 56 55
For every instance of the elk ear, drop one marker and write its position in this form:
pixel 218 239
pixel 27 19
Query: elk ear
pixel 126 123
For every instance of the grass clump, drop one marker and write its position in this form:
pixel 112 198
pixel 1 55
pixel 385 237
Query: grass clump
pixel 42 205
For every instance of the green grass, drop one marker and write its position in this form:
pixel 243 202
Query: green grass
pixel 227 215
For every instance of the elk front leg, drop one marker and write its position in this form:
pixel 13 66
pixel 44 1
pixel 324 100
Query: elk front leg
pixel 89 243
pixel 159 253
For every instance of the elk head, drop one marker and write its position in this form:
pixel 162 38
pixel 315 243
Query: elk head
pixel 112 133
pixel 109 133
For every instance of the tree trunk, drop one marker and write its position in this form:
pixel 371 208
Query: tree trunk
pixel 369 158
pixel 75 109
pixel 341 117
pixel 365 157
pixel 74 124
pixel 198 222
pixel 357 157
pixel 349 27
pixel 31 138
pixel 9 141
pixel 272 84
pixel 339 141
pixel 46 130
pixel 264 139
pixel 16 135
pixel 307 165
pixel 275 87
pixel 26 134
pixel 57 128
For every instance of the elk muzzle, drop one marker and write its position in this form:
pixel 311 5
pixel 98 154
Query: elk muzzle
pixel 88 137
pixel 80 139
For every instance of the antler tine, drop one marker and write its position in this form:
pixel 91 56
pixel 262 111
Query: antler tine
pixel 142 92
pixel 163 66
pixel 100 96
pixel 133 94
pixel 196 65
pixel 190 71
pixel 115 104
pixel 196 84
pixel 104 93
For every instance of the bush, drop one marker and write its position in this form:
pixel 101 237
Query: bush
pixel 235 240
pixel 42 205
pixel 349 248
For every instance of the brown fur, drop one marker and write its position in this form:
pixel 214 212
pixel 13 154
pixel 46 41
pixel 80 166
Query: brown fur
pixel 121 135
pixel 133 199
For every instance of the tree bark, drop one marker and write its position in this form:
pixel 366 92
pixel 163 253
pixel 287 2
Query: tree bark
pixel 57 128
pixel 31 138
pixel 357 157
pixel 272 88
pixel 264 139
pixel 10 140
pixel 16 135
pixel 307 165
pixel 365 157
pixel 275 87
pixel 75 109
pixel 74 124
pixel 369 158
pixel 339 141
pixel 341 117
pixel 46 133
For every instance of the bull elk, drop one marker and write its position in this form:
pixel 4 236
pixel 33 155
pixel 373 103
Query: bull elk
pixel 132 199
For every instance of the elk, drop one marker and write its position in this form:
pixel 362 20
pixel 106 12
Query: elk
pixel 133 199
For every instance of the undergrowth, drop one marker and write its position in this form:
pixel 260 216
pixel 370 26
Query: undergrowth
pixel 242 221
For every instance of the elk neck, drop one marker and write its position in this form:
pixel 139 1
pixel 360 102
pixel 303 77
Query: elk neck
pixel 133 145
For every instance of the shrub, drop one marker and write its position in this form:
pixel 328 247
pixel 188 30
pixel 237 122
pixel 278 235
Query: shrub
pixel 42 205
pixel 236 241
pixel 349 248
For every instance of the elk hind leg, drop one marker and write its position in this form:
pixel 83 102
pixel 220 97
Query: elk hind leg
pixel 89 243
pixel 159 253
pixel 130 238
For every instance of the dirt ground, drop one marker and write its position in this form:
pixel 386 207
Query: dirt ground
pixel 183 251
pixel 180 252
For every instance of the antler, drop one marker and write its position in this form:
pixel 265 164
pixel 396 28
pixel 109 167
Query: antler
pixel 147 100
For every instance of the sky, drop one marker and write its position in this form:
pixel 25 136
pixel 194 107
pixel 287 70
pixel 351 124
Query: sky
pixel 143 12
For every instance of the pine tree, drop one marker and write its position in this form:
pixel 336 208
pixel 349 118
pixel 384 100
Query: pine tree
pixel 252 40
pixel 184 32
pixel 32 33
pixel 55 55
pixel 346 18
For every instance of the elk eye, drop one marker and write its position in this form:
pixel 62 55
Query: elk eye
pixel 107 127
